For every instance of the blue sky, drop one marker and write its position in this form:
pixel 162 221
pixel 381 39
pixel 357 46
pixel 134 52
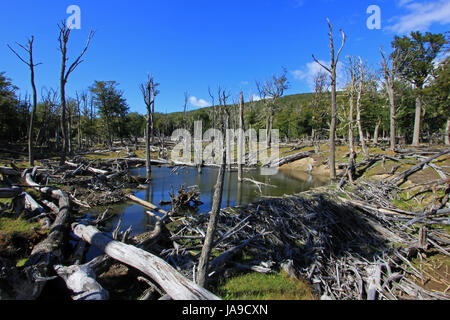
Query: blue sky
pixel 190 45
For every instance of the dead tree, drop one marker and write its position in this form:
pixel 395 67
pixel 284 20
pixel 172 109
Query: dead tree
pixel 241 137
pixel 318 115
pixel 186 99
pixel 358 107
pixel 270 91
pixel 389 79
pixel 149 92
pixel 213 107
pixel 332 70
pixel 351 162
pixel 202 268
pixel 64 33
pixel 31 65
pixel 212 224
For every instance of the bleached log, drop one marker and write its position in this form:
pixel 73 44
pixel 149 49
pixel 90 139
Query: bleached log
pixel 172 282
pixel 146 204
pixel 32 204
pixel 88 168
pixel 398 180
pixel 374 282
pixel 49 251
pixel 281 161
pixel 53 207
pixel 81 280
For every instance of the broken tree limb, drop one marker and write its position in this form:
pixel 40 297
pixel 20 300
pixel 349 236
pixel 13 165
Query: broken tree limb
pixel 399 179
pixel 294 157
pixel 146 204
pixel 87 167
pixel 31 204
pixel 172 282
pixel 81 280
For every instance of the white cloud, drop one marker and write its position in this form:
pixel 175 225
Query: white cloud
pixel 255 98
pixel 312 68
pixel 198 102
pixel 421 15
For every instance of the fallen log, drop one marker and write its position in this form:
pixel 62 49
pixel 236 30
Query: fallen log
pixel 48 252
pixel 399 179
pixel 146 204
pixel 31 204
pixel 88 168
pixel 81 280
pixel 172 282
pixel 279 162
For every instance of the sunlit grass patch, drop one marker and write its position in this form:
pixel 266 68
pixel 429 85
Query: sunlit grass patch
pixel 12 226
pixel 257 286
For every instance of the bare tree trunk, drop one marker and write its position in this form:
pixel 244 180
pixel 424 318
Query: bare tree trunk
pixel 212 224
pixel 389 78
pixel 31 66
pixel 149 92
pixel 350 125
pixel 332 71
pixel 417 121
pixel 148 163
pixel 241 142
pixel 358 109
pixel 64 33
pixel 376 132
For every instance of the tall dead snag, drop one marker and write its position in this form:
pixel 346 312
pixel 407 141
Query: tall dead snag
pixel 351 161
pixel 241 142
pixel 332 70
pixel 64 33
pixel 186 99
pixel 389 79
pixel 170 280
pixel 358 107
pixel 212 225
pixel 149 92
pixel 270 91
pixel 203 264
pixel 31 65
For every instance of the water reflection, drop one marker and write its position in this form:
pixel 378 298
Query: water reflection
pixel 235 193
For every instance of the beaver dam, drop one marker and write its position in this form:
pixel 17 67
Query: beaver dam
pixel 345 241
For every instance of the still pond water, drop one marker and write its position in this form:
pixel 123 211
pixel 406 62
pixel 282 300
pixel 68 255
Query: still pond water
pixel 234 193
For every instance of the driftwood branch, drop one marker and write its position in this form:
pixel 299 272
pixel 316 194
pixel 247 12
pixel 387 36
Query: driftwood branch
pixel 175 284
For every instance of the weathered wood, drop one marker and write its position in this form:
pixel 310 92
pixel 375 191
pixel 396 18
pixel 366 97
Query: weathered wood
pixel 48 252
pixel 172 282
pixel 294 157
pixel 81 280
pixel 146 204
pixel 373 282
pixel 88 168
pixel 400 178
pixel 31 204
